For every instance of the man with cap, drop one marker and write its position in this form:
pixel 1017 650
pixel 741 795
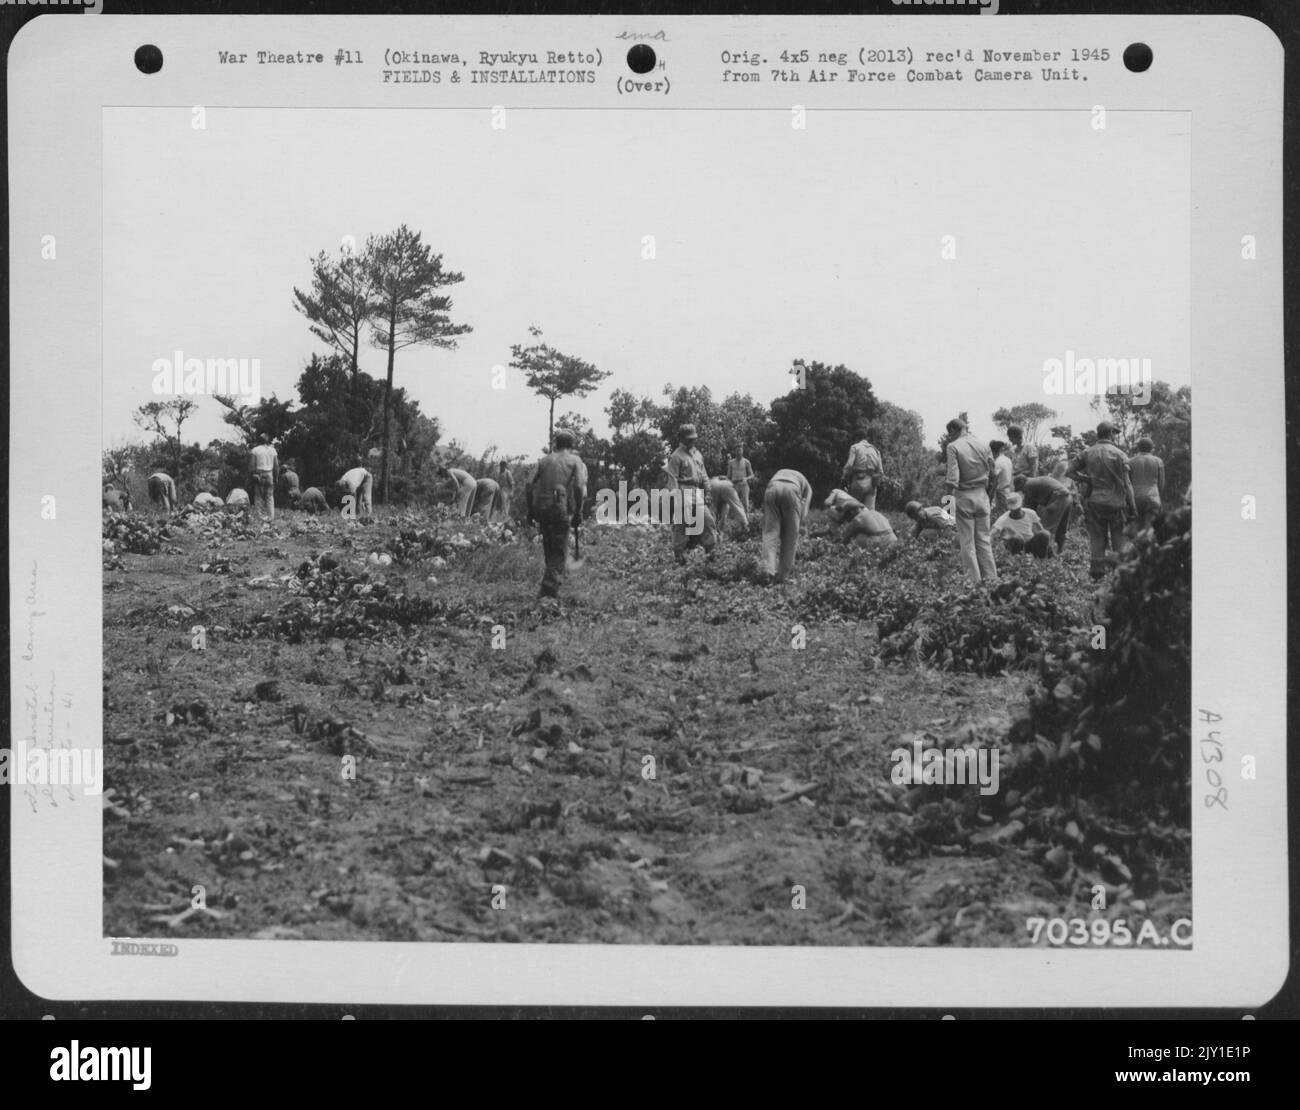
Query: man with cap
pixel 1051 500
pixel 1104 472
pixel 693 523
pixel 1148 473
pixel 555 497
pixel 263 473
pixel 740 472
pixel 863 471
pixel 1021 530
pixel 970 480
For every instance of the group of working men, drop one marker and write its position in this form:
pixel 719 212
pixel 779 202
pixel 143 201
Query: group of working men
pixel 264 476
pixel 995 490
pixel 992 491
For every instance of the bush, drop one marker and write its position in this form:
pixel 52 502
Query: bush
pixel 135 534
pixel 1112 715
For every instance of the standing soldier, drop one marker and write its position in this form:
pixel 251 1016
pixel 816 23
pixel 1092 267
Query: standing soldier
pixel 555 497
pixel 1005 477
pixel 686 474
pixel 1103 471
pixel 785 507
pixel 970 480
pixel 1024 456
pixel 1148 473
pixel 863 471
pixel 506 481
pixel 740 472
pixel 263 473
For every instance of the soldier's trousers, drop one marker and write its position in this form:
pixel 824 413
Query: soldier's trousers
pixel 1105 530
pixel 553 524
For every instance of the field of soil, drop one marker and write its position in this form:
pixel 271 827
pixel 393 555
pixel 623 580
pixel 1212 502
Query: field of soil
pixel 424 751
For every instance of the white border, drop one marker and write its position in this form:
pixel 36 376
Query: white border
pixel 1227 71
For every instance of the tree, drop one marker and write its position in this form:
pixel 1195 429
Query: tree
pixel 910 469
pixel 636 448
pixel 814 425
pixel 1027 417
pixel 340 305
pixel 270 418
pixel 406 277
pixel 743 420
pixel 553 375
pixel 154 416
pixel 117 464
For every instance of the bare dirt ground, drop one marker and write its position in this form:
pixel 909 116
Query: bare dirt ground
pixel 521 773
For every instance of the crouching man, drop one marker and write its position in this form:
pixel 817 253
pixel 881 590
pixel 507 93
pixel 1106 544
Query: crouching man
pixel 1021 530
pixel 858 525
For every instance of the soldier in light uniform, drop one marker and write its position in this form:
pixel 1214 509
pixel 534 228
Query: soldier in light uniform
pixel 506 481
pixel 724 499
pixel 466 488
pixel 786 502
pixel 863 471
pixel 970 480
pixel 357 482
pixel 687 474
pixel 859 526
pixel 1108 504
pixel 1148 477
pixel 289 483
pixel 263 473
pixel 487 495
pixel 740 473
pixel 555 497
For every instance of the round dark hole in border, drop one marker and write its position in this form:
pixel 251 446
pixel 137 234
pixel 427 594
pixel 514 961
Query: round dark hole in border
pixel 1137 57
pixel 148 59
pixel 641 58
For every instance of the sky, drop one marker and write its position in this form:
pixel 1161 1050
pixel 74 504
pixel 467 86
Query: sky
pixel 769 245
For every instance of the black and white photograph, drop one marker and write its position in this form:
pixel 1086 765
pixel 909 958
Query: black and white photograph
pixel 772 546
